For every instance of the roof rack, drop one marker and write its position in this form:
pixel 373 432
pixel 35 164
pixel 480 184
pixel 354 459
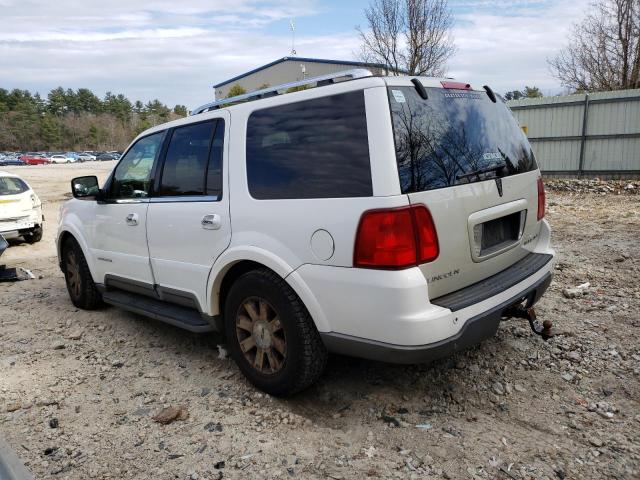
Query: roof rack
pixel 280 89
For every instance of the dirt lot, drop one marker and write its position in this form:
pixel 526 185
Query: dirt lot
pixel 78 389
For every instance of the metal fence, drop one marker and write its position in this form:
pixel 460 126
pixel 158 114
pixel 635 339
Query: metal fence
pixel 595 134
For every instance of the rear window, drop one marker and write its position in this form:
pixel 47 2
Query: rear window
pixel 312 149
pixel 453 133
pixel 12 186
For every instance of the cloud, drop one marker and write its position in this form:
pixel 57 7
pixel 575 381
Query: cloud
pixel 175 51
pixel 507 48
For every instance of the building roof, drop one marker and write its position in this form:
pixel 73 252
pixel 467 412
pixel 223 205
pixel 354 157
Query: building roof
pixel 300 59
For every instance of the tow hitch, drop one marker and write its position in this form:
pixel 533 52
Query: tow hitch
pixel 529 314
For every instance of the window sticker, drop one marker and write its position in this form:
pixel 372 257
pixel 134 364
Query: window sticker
pixel 398 96
pixel 468 95
pixel 492 156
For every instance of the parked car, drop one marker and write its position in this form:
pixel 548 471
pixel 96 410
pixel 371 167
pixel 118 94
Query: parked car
pixel 391 218
pixel 59 158
pixel 35 159
pixel 106 156
pixel 20 209
pixel 86 157
pixel 13 161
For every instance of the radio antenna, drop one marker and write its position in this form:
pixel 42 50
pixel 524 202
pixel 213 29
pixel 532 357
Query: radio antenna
pixel 292 25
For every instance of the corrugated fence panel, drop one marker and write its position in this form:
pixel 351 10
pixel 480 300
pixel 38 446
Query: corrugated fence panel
pixel 612 154
pixel 557 155
pixel 554 127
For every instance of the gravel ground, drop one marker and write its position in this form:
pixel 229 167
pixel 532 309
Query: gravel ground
pixel 78 390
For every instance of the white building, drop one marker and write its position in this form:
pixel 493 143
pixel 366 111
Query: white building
pixel 291 69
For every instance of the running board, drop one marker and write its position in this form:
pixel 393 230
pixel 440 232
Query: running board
pixel 176 315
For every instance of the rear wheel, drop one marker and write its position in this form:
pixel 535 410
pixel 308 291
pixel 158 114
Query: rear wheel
pixel 271 335
pixel 34 236
pixel 82 290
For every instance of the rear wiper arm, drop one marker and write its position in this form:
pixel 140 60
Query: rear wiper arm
pixel 481 171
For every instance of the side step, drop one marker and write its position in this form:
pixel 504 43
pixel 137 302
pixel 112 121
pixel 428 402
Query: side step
pixel 170 313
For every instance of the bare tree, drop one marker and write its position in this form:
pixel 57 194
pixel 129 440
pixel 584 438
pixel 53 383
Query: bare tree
pixel 604 50
pixel 408 35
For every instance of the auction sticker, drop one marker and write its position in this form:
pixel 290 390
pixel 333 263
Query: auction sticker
pixel 399 96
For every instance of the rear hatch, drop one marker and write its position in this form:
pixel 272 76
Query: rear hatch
pixel 466 159
pixel 15 203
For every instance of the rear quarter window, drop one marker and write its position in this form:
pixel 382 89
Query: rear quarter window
pixel 311 149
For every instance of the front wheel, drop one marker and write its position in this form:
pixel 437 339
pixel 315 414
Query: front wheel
pixel 271 335
pixel 82 290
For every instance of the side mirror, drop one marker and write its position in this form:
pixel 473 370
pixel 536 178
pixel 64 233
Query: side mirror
pixel 85 188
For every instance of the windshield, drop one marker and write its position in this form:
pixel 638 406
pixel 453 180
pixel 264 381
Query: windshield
pixel 12 186
pixel 454 137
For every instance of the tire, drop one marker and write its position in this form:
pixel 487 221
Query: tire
pixel 82 290
pixel 35 236
pixel 293 356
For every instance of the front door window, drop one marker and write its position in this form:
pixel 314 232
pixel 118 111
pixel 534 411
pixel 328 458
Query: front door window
pixel 132 176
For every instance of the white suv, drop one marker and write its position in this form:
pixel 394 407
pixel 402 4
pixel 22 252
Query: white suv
pixel 391 218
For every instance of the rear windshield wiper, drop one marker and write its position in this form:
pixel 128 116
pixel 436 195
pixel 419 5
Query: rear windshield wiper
pixel 479 172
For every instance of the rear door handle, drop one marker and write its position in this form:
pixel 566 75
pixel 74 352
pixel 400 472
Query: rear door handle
pixel 132 219
pixel 211 222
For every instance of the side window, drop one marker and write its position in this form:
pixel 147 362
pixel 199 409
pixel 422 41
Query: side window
pixel 311 149
pixel 132 176
pixel 214 170
pixel 185 165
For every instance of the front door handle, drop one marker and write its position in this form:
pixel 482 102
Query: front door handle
pixel 211 222
pixel 132 219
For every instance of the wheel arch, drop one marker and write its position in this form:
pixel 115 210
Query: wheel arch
pixel 70 233
pixel 227 270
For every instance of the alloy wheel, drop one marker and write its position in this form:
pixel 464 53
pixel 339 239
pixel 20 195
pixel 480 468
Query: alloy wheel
pixel 73 274
pixel 261 336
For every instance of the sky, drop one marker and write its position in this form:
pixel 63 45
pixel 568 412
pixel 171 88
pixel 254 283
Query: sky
pixel 176 50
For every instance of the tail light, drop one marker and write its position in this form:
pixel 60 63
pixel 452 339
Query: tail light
pixel 541 199
pixel 396 238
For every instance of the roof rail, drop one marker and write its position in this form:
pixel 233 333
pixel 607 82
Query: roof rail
pixel 280 89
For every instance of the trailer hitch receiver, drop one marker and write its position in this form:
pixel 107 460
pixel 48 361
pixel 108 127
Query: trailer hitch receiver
pixel 544 329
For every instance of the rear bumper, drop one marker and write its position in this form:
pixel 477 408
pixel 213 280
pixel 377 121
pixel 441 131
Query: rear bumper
pixel 21 223
pixel 474 331
pixel 10 231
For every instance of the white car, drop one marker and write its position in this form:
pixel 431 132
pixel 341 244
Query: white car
pixel 86 157
pixel 390 218
pixel 20 209
pixel 62 159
